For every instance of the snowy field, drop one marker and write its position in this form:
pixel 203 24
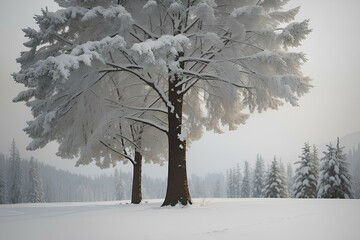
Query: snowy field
pixel 207 219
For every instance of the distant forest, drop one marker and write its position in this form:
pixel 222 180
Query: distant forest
pixel 330 174
pixel 24 181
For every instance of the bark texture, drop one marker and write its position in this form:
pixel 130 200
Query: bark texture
pixel 136 195
pixel 177 185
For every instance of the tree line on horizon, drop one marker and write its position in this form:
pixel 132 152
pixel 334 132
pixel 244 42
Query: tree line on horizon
pixel 29 181
pixel 328 177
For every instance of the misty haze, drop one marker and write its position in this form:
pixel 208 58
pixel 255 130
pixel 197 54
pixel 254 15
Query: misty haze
pixel 173 119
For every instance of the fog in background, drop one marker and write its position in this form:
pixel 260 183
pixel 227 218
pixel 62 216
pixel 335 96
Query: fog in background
pixel 330 110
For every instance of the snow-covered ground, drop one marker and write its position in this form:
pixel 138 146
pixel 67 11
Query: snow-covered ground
pixel 207 219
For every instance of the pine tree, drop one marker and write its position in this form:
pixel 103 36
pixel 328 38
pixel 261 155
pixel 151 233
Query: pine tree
pixel 289 178
pixel 2 180
pixel 16 187
pixel 346 178
pixel 119 186
pixel 315 162
pixel 230 183
pixel 334 179
pixel 259 177
pixel 305 180
pixel 237 180
pixel 284 177
pixel 245 184
pixel 275 183
pixel 234 180
pixel 36 192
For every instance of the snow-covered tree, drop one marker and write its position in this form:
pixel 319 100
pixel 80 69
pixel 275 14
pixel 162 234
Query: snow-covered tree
pixel 237 180
pixel 230 183
pixel 234 180
pixel 275 184
pixel 16 188
pixel 354 161
pixel 119 186
pixel 315 162
pixel 335 178
pixel 284 176
pixel 195 66
pixel 245 190
pixel 289 178
pixel 305 180
pixel 259 177
pixel 35 191
pixel 2 180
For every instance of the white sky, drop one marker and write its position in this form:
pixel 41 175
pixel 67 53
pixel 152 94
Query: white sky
pixel 330 110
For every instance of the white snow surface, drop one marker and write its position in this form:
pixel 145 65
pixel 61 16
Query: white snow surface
pixel 206 219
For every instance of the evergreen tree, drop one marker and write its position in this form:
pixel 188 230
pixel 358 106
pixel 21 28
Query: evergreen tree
pixel 334 179
pixel 119 186
pixel 237 180
pixel 275 182
pixel 259 177
pixel 289 178
pixel 305 180
pixel 245 185
pixel 354 161
pixel 315 162
pixel 36 192
pixel 234 179
pixel 230 185
pixel 283 176
pixel 346 178
pixel 16 176
pixel 2 180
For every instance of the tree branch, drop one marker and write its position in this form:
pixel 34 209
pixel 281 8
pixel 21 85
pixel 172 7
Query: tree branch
pixel 148 122
pixel 114 150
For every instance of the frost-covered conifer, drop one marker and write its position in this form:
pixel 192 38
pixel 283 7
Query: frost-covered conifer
pixel 181 67
pixel 234 180
pixel 237 180
pixel 305 180
pixel 16 188
pixel 245 190
pixel 315 162
pixel 2 180
pixel 119 186
pixel 275 184
pixel 259 177
pixel 230 185
pixel 284 177
pixel 334 179
pixel 289 178
pixel 35 192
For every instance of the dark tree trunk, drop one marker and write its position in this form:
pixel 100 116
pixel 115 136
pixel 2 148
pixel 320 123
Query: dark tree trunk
pixel 136 195
pixel 177 185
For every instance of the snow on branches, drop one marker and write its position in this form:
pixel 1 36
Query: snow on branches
pixel 171 68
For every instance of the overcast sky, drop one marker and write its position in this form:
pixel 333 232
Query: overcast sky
pixel 330 110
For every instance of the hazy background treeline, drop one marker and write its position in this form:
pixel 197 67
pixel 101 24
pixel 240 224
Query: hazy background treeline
pixel 23 180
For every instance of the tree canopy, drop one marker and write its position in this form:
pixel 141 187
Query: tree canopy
pixel 97 68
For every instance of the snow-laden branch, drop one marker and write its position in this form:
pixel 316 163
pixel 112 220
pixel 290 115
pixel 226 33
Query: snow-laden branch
pixel 150 123
pixel 60 67
pixel 146 109
pixel 131 69
pixel 208 77
pixel 114 150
